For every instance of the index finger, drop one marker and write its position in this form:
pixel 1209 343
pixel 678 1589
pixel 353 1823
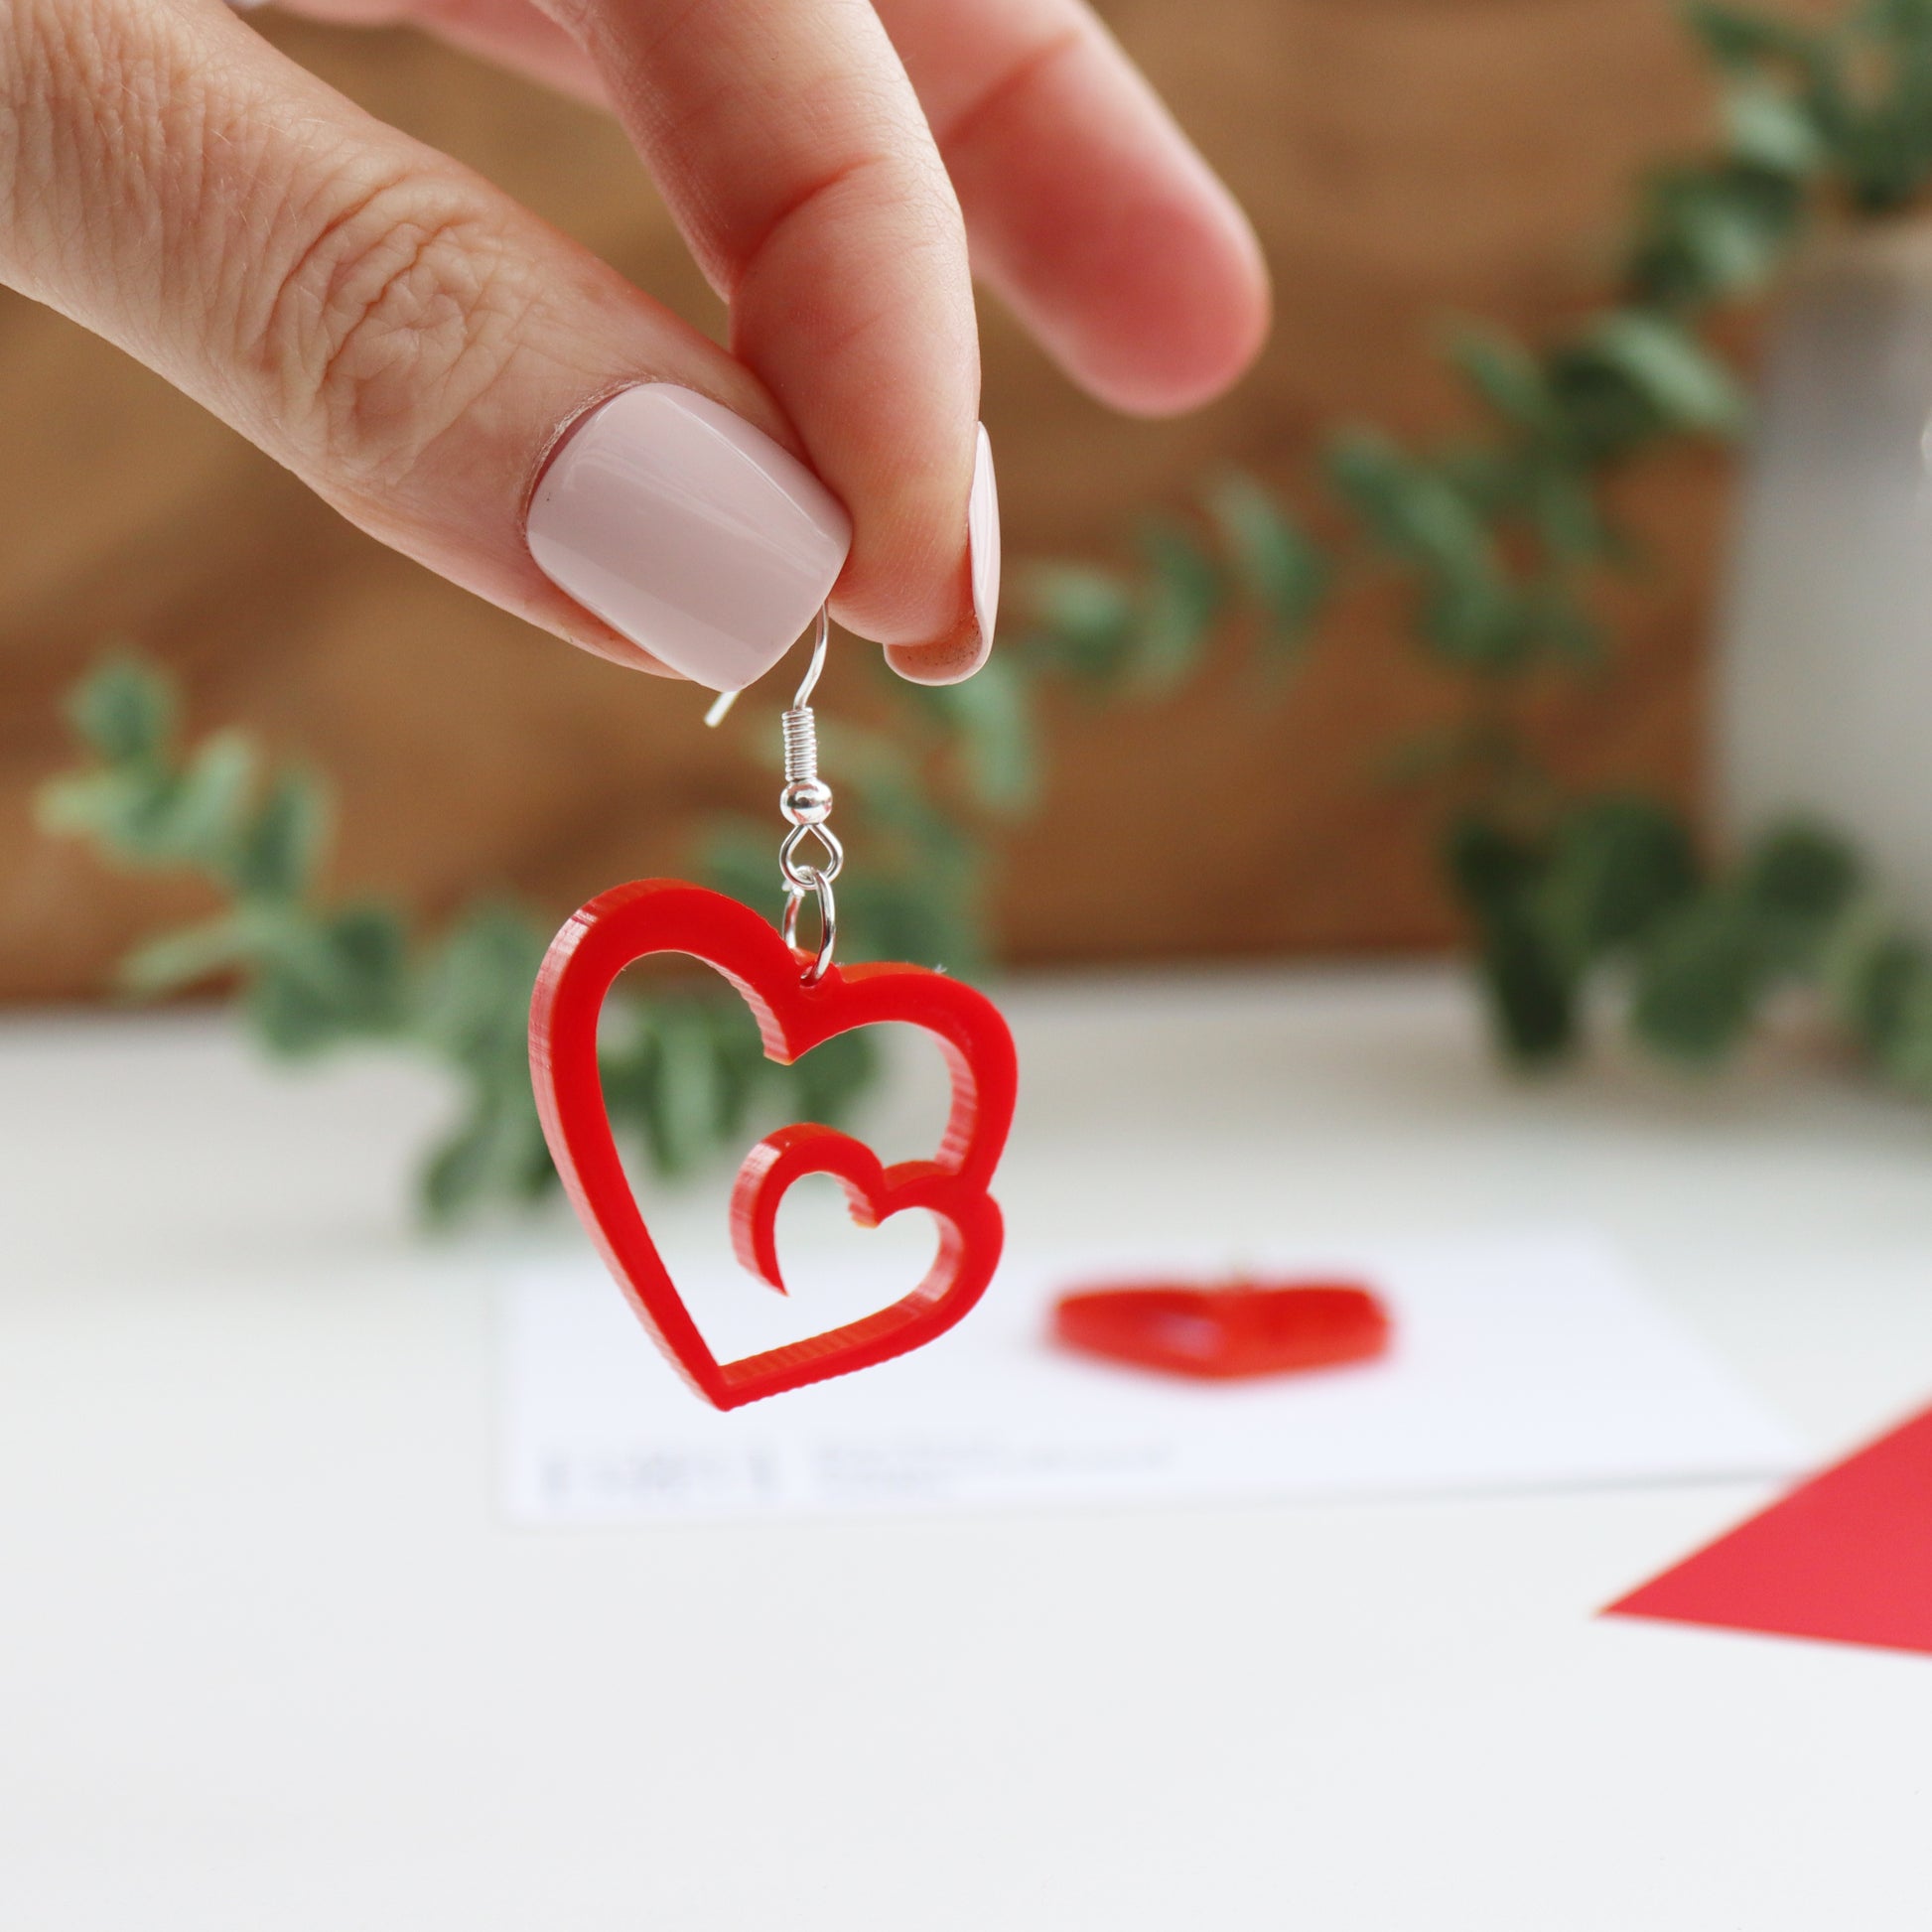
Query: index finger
pixel 791 149
pixel 1089 210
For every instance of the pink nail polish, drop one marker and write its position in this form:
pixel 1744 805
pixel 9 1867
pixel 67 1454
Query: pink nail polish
pixel 689 531
pixel 982 542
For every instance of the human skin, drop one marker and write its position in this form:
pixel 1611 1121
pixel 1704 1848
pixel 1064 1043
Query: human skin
pixel 415 345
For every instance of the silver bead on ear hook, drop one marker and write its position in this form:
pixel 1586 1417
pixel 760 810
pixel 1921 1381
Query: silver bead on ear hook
pixel 806 804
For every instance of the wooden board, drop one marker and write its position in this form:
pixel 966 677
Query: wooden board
pixel 1404 161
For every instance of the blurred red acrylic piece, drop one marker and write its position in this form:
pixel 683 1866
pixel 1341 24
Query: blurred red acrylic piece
pixel 1226 1331
pixel 667 916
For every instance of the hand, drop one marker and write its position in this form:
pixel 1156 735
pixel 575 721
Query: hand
pixel 418 347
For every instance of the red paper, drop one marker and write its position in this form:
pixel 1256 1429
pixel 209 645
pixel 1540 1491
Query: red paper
pixel 1845 1557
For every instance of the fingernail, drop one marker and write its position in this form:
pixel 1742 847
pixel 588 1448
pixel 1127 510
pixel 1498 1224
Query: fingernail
pixel 982 542
pixel 689 531
pixel 955 658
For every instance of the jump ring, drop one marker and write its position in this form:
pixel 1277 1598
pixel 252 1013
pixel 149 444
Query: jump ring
pixel 820 886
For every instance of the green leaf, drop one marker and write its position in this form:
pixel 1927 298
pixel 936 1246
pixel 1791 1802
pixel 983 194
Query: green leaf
pixel 739 1065
pixel 368 947
pixel 991 719
pixel 151 816
pixel 1699 981
pixel 1906 1055
pixel 931 918
pixel 473 1000
pixel 1618 865
pixel 140 807
pixel 1276 564
pixel 1530 985
pixel 110 807
pixel 1872 163
pixel 1795 883
pixel 1468 611
pixel 918 896
pixel 1082 621
pixel 688 1099
pixel 1179 609
pixel 1873 975
pixel 1410 507
pixel 740 860
pixel 832 1077
pixel 1767 128
pixel 291 1012
pixel 678 1082
pixel 281 847
pixel 498 1149
pixel 1707 233
pixel 1604 417
pixel 1505 376
pixel 125 710
pixel 1884 151
pixel 206 807
pixel 461 1170
pixel 1677 378
pixel 178 959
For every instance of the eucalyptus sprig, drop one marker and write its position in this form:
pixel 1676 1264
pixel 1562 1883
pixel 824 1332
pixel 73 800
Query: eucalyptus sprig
pixel 683 1071
pixel 1504 539
pixel 1617 886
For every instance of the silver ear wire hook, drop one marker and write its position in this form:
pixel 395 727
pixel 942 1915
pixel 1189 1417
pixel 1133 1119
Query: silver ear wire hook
pixel 822 633
pixel 806 804
pixel 821 637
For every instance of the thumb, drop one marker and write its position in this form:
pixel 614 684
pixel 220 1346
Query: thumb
pixel 406 339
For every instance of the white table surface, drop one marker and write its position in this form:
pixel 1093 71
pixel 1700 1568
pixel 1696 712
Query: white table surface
pixel 269 1661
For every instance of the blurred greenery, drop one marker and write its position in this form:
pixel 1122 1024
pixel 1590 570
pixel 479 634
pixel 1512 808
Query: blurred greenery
pixel 683 1070
pixel 1500 534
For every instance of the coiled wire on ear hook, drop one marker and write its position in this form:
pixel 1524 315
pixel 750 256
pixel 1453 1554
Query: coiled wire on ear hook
pixel 806 804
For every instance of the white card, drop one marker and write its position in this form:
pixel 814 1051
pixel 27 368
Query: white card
pixel 1518 1364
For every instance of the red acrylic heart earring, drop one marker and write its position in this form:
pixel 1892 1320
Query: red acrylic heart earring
pixel 799 998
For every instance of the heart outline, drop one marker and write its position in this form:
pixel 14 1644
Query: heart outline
pixel 650 916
